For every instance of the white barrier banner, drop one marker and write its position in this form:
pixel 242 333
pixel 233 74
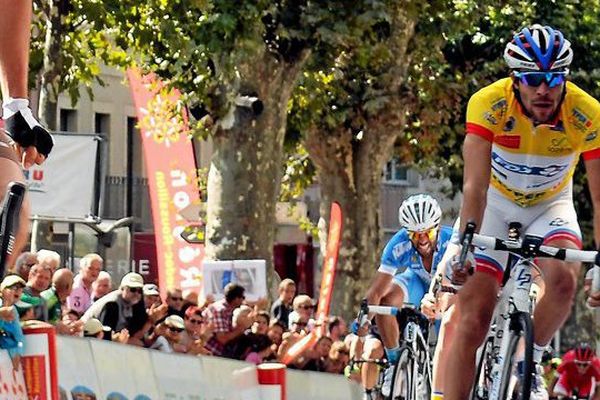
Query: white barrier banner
pixel 178 376
pixel 76 369
pixel 216 378
pixel 64 185
pixel 124 372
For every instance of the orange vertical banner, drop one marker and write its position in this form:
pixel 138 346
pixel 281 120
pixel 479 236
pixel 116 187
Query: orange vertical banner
pixel 172 179
pixel 325 293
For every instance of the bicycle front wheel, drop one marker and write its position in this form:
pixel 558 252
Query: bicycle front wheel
pixel 403 381
pixel 517 372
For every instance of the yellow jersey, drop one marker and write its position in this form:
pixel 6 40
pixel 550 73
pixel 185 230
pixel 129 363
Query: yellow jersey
pixel 531 163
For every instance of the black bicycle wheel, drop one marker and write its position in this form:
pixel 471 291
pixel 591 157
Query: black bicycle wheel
pixel 483 376
pixel 521 333
pixel 402 382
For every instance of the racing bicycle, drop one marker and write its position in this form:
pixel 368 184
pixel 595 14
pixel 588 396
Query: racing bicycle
pixel 511 330
pixel 412 371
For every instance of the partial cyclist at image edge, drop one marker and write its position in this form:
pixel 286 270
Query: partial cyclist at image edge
pixel 23 141
pixel 525 134
pixel 408 262
pixel 579 369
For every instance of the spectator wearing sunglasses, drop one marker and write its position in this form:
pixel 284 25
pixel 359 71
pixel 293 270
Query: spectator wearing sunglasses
pixel 175 302
pixel 168 335
pixel 304 307
pixel 196 333
pixel 122 308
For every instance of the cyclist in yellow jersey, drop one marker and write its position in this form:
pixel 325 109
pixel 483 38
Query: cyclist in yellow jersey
pixel 23 142
pixel 525 135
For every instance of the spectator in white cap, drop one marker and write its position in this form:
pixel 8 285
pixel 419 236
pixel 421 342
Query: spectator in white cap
pixel 168 335
pixel 121 308
pixel 101 286
pixel 151 295
pixel 93 328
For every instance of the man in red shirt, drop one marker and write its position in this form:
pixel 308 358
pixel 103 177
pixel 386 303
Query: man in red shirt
pixel 579 370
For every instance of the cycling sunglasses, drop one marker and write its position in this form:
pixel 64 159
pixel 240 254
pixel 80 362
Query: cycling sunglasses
pixel 431 234
pixel 535 79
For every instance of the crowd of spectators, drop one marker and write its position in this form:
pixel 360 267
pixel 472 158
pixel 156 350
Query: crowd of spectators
pixel 39 290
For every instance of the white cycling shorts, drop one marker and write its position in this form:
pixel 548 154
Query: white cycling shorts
pixel 552 219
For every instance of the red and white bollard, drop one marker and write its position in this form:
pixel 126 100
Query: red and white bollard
pixel 271 379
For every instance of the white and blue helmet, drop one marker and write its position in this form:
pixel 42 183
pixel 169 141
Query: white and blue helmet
pixel 538 48
pixel 419 213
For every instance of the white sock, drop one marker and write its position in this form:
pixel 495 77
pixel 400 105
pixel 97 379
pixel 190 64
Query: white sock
pixel 11 106
pixel 538 352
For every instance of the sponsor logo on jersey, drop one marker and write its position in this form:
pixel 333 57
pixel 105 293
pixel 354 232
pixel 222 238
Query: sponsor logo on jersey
pixel 509 125
pixel 499 108
pixel 591 136
pixel 548 171
pixel 558 221
pixel 559 145
pixel 490 118
pixel 579 120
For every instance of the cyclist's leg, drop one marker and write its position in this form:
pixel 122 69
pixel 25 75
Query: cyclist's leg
pixel 373 349
pixel 387 324
pixel 440 358
pixel 15 27
pixel 11 172
pixel 559 227
pixel 476 301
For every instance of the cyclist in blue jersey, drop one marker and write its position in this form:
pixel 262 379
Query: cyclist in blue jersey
pixel 408 262
pixel 23 142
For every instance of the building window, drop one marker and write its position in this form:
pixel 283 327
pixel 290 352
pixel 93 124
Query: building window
pixel 102 123
pixel 68 120
pixel 135 141
pixel 395 172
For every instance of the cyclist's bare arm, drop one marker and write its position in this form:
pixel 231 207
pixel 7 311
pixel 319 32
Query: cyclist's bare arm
pixel 476 179
pixel 15 28
pixel 592 168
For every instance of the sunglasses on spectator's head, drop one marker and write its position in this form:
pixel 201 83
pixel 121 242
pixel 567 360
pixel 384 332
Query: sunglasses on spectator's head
pixel 135 289
pixel 535 79
pixel 176 330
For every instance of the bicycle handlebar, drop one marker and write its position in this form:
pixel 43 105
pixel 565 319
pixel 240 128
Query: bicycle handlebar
pixel 520 247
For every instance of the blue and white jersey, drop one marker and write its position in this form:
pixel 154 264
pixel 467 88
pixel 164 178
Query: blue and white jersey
pixel 400 255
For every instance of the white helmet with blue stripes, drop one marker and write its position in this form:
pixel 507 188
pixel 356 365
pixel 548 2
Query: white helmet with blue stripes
pixel 538 48
pixel 419 213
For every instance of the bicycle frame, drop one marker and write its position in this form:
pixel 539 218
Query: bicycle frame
pixel 515 297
